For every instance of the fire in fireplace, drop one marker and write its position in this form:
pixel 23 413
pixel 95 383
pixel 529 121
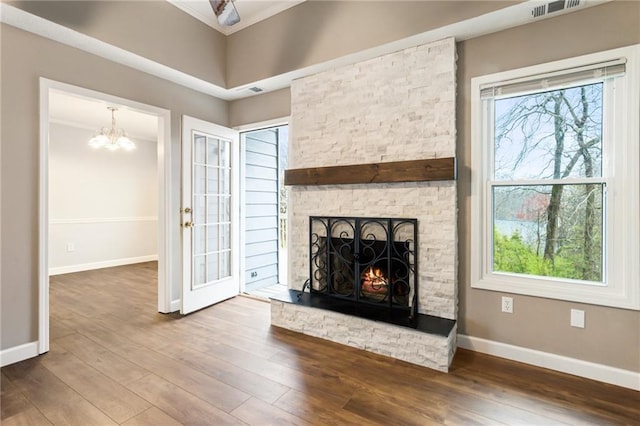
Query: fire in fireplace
pixel 365 261
pixel 374 281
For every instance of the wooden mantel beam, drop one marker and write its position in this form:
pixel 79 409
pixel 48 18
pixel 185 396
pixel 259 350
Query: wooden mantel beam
pixel 397 171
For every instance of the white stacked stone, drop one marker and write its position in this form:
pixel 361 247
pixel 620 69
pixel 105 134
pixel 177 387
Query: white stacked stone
pixel 406 344
pixel 395 107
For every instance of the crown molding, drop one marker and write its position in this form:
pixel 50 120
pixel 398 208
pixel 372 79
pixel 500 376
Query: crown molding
pixel 499 20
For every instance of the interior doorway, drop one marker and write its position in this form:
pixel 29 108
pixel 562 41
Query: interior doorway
pixel 103 202
pixel 76 103
pixel 265 210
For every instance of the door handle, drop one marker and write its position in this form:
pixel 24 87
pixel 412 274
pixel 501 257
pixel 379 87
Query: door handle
pixel 188 225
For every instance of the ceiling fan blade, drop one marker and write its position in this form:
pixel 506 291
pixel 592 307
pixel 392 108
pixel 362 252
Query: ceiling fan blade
pixel 225 11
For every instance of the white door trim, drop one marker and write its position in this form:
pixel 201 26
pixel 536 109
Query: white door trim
pixel 275 122
pixel 164 198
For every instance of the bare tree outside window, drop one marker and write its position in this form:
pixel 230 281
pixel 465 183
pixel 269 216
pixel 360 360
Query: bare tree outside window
pixel 548 191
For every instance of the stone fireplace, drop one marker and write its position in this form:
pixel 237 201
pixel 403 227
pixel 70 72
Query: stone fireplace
pixel 395 108
pixel 369 262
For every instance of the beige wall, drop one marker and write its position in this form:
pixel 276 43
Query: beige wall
pixel 611 336
pixel 108 237
pixel 26 58
pixel 155 30
pixel 317 31
pixel 271 105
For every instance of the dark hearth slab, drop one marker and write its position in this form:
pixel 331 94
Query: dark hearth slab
pixel 424 323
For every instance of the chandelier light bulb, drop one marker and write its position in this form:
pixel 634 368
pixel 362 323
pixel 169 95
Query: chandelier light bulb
pixel 112 138
pixel 125 143
pixel 98 141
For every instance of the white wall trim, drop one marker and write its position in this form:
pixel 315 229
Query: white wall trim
pixel 175 305
pixel 18 353
pixel 83 220
pixel 167 216
pixel 577 367
pixel 102 264
pixel 43 220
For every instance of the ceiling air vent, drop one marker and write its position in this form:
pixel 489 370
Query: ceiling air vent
pixel 255 89
pixel 539 10
pixel 554 6
pixel 572 3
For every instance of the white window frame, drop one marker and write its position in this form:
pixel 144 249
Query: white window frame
pixel 621 162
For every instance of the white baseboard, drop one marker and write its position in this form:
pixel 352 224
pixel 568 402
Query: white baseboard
pixel 18 353
pixel 103 264
pixel 175 305
pixel 577 367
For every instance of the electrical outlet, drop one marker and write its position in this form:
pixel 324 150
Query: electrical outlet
pixel 577 318
pixel 71 247
pixel 507 304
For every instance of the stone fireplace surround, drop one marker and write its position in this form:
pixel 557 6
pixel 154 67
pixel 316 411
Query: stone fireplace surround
pixel 396 107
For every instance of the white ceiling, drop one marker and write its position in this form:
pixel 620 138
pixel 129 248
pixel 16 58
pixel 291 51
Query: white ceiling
pixel 250 11
pixel 92 114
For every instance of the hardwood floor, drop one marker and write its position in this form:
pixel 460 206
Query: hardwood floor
pixel 114 360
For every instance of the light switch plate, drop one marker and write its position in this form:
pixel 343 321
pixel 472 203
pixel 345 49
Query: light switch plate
pixel 577 318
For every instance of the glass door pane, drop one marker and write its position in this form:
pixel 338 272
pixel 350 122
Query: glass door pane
pixel 211 201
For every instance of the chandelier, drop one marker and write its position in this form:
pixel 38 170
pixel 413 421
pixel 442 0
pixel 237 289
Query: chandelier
pixel 111 138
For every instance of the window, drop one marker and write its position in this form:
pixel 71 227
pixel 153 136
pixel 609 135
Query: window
pixel 555 163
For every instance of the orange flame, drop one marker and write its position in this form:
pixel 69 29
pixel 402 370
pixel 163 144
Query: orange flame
pixel 374 281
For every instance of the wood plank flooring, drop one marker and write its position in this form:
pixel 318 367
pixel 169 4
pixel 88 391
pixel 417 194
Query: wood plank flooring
pixel 114 360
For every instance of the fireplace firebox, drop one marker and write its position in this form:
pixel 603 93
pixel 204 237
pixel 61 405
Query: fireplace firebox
pixel 367 262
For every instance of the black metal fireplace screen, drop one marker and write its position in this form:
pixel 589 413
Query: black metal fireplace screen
pixel 369 261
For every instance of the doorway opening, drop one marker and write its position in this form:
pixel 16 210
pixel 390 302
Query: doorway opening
pixel 265 210
pixel 103 204
pixel 72 199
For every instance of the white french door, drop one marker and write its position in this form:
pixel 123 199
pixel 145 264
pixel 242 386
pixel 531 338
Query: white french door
pixel 210 214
